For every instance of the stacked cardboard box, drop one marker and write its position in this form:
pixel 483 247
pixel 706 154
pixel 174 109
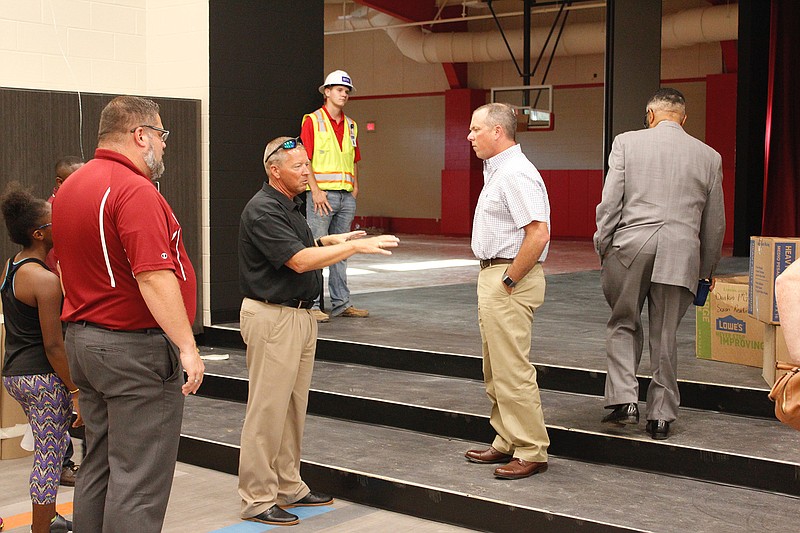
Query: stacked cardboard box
pixel 724 330
pixel 769 256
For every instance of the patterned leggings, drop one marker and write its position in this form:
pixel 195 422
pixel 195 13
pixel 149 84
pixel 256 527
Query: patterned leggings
pixel 44 399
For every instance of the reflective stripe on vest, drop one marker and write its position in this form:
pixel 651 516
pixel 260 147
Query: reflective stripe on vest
pixel 334 167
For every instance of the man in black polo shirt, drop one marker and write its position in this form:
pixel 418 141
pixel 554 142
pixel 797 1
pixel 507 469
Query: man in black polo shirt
pixel 280 275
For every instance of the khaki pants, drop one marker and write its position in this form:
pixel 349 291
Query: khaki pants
pixel 281 343
pixel 505 323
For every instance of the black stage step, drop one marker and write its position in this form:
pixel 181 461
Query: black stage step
pixel 427 476
pixel 747 451
pixel 742 400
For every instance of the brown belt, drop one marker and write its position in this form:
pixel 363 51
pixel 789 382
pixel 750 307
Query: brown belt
pixel 485 263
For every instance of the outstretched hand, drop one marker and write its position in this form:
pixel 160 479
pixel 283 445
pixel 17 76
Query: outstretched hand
pixel 377 245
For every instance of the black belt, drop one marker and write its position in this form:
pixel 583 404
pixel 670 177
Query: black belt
pixel 486 263
pixel 147 331
pixel 296 303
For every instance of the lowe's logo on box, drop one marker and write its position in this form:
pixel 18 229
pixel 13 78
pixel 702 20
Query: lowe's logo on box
pixel 731 324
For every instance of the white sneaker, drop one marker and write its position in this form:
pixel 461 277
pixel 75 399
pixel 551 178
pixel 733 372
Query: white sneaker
pixel 319 316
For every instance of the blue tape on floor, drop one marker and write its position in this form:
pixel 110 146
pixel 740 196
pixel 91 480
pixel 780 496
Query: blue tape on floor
pixel 255 527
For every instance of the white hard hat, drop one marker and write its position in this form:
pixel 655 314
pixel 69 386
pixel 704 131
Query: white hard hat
pixel 337 77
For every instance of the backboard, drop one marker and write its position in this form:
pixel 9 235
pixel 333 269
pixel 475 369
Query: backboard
pixel 533 103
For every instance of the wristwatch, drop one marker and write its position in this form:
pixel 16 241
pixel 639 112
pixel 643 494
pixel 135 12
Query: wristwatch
pixel 510 283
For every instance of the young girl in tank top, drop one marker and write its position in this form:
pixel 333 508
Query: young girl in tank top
pixel 35 371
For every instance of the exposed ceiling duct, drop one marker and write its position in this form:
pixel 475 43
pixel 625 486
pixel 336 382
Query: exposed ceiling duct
pixel 681 29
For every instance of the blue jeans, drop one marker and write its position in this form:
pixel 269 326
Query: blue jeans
pixel 339 220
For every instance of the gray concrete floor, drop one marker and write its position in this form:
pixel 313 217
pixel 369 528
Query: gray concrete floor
pixel 423 296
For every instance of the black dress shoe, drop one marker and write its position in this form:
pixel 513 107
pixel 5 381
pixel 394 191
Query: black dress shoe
pixel 312 499
pixel 658 429
pixel 59 524
pixel 275 516
pixel 624 413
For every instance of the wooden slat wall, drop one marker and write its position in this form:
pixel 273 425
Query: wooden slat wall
pixel 39 127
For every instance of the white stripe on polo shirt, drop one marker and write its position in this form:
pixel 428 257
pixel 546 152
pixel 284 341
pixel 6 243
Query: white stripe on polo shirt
pixel 103 238
pixel 177 238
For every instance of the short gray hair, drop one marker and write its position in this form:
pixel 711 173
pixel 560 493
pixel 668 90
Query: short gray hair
pixel 502 115
pixel 669 100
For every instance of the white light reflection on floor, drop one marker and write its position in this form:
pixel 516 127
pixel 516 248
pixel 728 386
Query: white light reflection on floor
pixel 425 265
pixel 351 271
pixel 408 267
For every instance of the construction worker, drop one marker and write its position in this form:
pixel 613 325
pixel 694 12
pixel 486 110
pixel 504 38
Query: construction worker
pixel 331 141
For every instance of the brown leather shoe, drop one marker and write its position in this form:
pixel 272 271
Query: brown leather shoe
pixel 519 468
pixel 487 456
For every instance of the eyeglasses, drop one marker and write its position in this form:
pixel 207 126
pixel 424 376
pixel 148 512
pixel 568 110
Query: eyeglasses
pixel 286 145
pixel 44 226
pixel 647 118
pixel 164 133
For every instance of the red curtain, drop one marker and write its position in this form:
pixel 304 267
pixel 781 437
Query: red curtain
pixel 782 157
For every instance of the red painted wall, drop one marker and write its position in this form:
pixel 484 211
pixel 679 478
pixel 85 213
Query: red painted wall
pixel 462 177
pixel 574 194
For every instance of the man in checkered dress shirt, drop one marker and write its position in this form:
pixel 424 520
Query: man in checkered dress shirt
pixel 511 232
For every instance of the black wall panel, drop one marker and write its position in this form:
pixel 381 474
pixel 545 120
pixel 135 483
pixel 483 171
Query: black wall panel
pixel 751 121
pixel 265 64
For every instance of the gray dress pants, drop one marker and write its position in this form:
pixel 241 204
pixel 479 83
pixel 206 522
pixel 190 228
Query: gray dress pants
pixel 625 290
pixel 132 404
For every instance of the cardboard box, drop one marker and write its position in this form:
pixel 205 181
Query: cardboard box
pixel 11 414
pixel 769 256
pixel 724 330
pixel 775 350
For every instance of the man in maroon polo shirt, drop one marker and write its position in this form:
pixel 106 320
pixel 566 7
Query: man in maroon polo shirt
pixel 129 301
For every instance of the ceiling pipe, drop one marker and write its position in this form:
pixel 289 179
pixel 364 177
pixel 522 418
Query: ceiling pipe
pixel 678 30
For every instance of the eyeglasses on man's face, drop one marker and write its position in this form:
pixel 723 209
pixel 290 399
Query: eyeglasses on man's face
pixel 164 133
pixel 285 145
pixel 44 226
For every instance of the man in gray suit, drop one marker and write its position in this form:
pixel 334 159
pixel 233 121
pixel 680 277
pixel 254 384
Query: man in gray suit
pixel 660 226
